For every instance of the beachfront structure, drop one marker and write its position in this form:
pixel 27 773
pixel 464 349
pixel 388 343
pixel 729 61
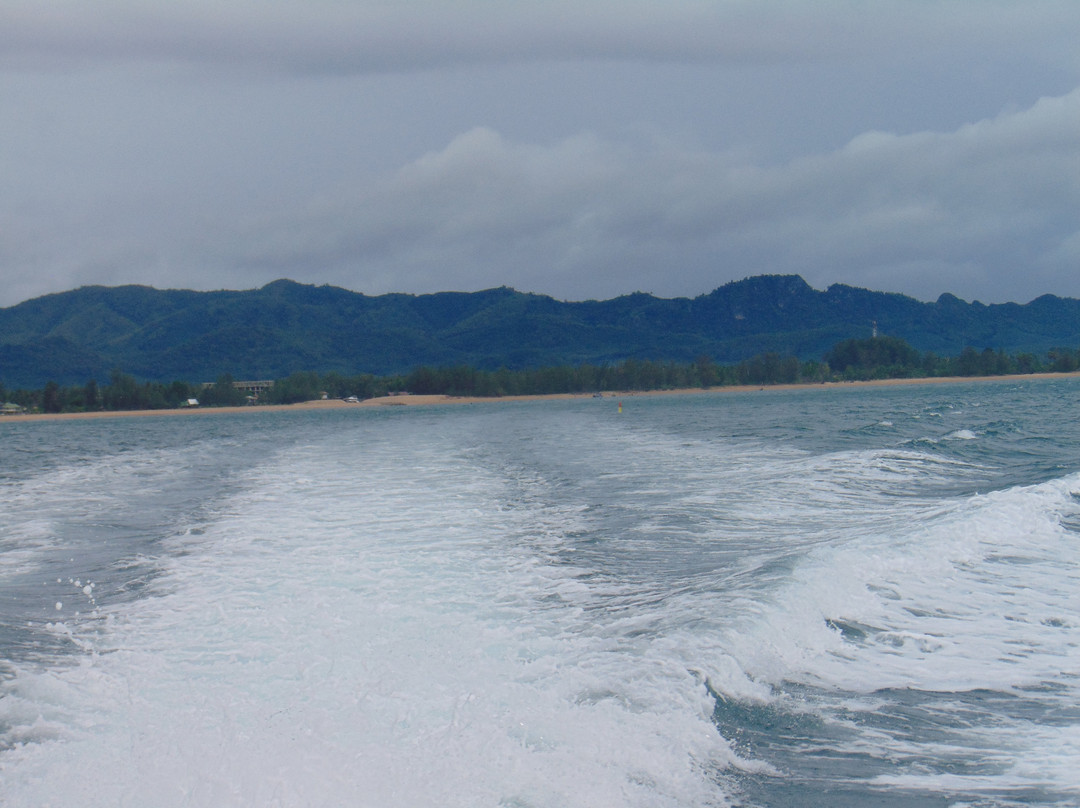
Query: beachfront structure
pixel 254 388
pixel 250 387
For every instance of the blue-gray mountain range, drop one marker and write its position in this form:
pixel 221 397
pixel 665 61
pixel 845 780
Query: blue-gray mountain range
pixel 284 327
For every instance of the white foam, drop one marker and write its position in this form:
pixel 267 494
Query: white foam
pixel 976 585
pixel 368 637
pixel 962 434
pixel 974 598
pixel 1040 755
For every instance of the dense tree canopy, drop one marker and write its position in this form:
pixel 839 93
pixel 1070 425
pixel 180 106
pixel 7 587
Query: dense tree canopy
pixel 873 358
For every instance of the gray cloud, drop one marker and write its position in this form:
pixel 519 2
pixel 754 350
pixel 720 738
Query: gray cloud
pixel 333 35
pixel 990 206
pixel 580 149
pixel 919 213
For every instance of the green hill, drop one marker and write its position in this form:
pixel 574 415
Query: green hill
pixel 284 327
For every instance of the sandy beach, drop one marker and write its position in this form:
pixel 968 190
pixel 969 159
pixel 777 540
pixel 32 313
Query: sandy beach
pixel 408 400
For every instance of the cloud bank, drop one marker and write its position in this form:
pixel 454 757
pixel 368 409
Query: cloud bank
pixel 586 218
pixel 583 149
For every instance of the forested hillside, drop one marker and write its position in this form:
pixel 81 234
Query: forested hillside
pixel 286 327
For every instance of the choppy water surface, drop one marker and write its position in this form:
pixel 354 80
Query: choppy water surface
pixel 837 597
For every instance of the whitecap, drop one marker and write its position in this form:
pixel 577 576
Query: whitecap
pixel 961 434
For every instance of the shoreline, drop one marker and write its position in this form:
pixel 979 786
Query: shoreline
pixel 410 400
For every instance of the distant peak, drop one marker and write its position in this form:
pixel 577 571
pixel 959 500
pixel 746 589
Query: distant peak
pixel 949 299
pixel 281 283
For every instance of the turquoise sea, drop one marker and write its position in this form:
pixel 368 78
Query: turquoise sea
pixel 823 597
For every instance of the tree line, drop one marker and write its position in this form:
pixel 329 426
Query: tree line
pixel 850 360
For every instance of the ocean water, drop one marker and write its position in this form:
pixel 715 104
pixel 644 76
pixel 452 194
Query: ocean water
pixel 826 597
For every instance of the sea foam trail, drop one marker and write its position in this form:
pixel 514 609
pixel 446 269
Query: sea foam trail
pixel 358 628
pixel 739 599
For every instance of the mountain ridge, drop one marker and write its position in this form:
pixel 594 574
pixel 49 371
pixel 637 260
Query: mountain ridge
pixel 285 326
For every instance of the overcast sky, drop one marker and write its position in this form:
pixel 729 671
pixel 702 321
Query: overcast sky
pixel 580 149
